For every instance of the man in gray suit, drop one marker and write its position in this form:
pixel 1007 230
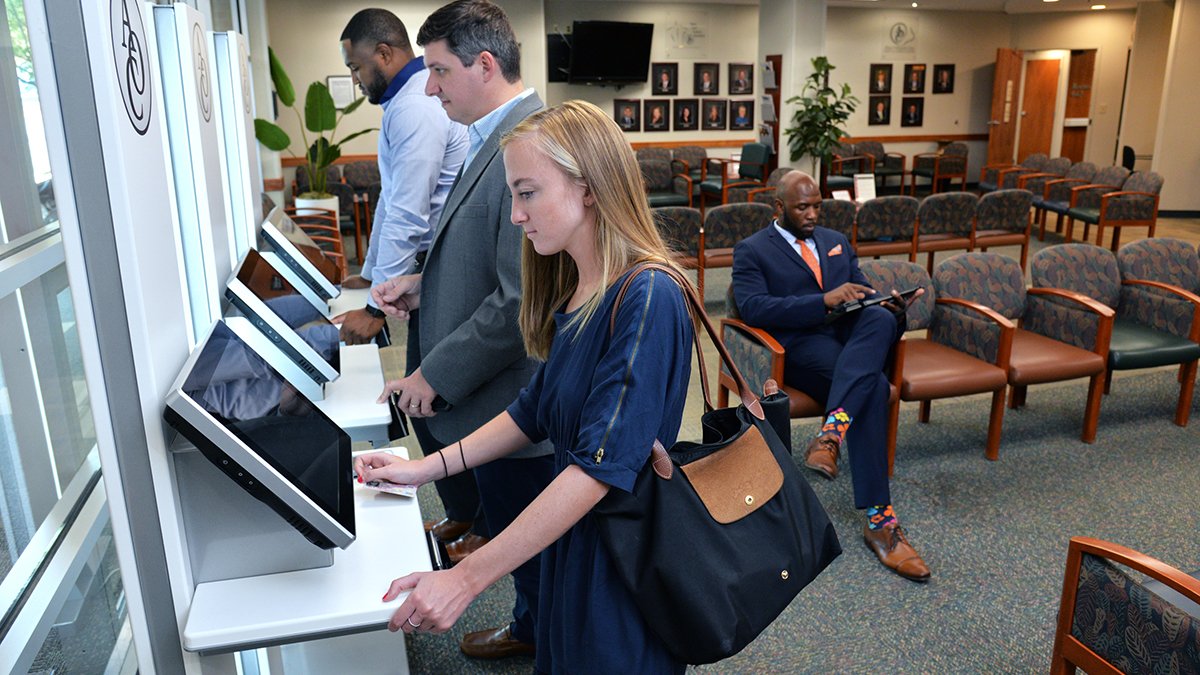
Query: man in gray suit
pixel 469 293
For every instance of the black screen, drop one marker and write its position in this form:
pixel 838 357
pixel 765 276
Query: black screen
pixel 307 247
pixel 610 51
pixel 282 427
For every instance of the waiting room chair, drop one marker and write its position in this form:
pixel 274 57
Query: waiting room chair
pixel 361 176
pixel 886 226
pixel 948 363
pixel 945 222
pixel 1111 621
pixel 724 227
pixel 751 172
pixel 991 176
pixel 943 166
pixel 750 194
pixel 1061 335
pixel 1135 204
pixel 1143 335
pixel 653 152
pixel 887 164
pixel 662 187
pixel 844 162
pixel 1087 195
pixel 838 215
pixel 1056 195
pixel 1002 219
pixel 690 160
pixel 1035 181
pixel 680 228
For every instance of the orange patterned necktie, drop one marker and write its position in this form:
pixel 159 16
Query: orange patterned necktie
pixel 811 259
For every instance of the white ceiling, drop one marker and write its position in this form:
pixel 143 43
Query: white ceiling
pixel 1007 6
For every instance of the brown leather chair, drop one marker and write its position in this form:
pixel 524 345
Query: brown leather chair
pixel 1063 335
pixel 950 362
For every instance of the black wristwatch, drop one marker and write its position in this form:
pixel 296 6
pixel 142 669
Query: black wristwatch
pixel 375 312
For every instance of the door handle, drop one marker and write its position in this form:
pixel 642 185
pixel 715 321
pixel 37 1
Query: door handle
pixel 993 123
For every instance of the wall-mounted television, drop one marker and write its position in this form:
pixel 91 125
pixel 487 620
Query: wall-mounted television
pixel 610 52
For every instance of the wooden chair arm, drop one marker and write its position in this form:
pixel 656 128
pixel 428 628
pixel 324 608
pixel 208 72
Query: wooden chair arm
pixel 1126 193
pixel 992 167
pixel 1106 314
pixel 758 191
pixel 1026 178
pixel 836 164
pixel 1181 293
pixel 1007 327
pixel 686 167
pixel 1089 187
pixel 1140 562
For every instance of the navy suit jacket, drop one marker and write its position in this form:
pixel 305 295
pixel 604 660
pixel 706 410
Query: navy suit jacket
pixel 774 288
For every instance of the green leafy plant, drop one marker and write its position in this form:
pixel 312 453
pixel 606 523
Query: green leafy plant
pixel 817 123
pixel 320 116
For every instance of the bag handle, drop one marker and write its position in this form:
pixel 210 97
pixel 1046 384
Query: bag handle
pixel 749 398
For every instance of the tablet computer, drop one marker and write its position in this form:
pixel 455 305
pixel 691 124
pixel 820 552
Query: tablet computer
pixel 855 305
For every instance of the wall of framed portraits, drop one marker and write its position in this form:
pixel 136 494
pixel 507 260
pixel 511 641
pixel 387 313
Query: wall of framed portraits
pixel 703 86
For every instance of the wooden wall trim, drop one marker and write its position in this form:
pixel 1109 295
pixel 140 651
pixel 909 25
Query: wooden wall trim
pixel 702 143
pixel 273 185
pixel 344 159
pixel 929 138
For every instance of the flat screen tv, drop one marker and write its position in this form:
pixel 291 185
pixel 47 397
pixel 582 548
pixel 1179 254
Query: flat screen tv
pixel 610 52
pixel 299 252
pixel 262 294
pixel 266 437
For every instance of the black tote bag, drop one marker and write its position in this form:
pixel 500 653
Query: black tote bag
pixel 717 537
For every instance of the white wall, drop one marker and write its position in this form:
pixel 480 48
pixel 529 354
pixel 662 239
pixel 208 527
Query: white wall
pixel 1147 68
pixel 1178 154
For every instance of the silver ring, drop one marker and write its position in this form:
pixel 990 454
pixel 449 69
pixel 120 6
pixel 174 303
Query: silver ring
pixel 414 625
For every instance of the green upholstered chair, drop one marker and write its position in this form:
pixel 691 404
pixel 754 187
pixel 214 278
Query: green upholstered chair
pixel 1157 324
pixel 992 176
pixel 838 215
pixel 1055 196
pixel 1108 179
pixel 751 172
pixel 663 188
pixel 941 167
pixel 1135 204
pixel 724 227
pixel 654 152
pixel 887 164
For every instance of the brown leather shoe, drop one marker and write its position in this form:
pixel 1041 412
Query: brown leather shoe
pixel 894 551
pixel 464 546
pixel 448 530
pixel 822 455
pixel 494 643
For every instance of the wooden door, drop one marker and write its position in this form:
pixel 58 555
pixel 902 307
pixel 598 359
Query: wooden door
pixel 1037 107
pixel 1002 125
pixel 1079 103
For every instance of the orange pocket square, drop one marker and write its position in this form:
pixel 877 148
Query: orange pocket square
pixel 836 250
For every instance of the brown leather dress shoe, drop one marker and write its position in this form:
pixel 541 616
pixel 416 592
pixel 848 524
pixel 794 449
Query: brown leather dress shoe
pixel 494 643
pixel 464 546
pixel 822 455
pixel 894 551
pixel 448 530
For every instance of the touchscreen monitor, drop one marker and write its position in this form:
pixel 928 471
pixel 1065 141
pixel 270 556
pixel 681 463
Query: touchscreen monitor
pixel 300 253
pixel 266 437
pixel 271 303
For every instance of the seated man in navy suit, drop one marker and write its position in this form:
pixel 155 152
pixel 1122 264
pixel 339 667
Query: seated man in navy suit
pixel 787 278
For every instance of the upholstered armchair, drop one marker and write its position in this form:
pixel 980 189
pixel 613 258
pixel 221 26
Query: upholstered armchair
pixel 724 227
pixel 751 194
pixel 944 223
pixel 663 188
pixel 943 166
pixel 992 176
pixel 887 164
pixel 1002 219
pixel 751 173
pixel 1135 204
pixel 1087 196
pixel 1061 335
pixel 838 215
pixel 691 161
pixel 655 153
pixel 845 161
pixel 1145 334
pixel 1056 195
pixel 1111 621
pixel 955 359
pixel 1035 181
pixel 886 226
pixel 361 176
pixel 680 228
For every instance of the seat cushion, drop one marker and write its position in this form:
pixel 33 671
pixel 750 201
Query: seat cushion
pixel 834 182
pixel 718 257
pixel 888 170
pixel 941 242
pixel 657 199
pixel 1037 358
pixel 1135 345
pixel 1086 215
pixel 933 370
pixel 999 238
pixel 1056 207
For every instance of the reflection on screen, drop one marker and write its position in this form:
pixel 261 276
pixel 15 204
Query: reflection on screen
pixel 253 402
pixel 297 312
pixel 309 248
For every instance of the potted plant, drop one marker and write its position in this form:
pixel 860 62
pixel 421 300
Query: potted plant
pixel 320 116
pixel 821 111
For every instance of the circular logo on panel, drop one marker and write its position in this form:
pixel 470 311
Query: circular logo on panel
pixel 245 68
pixel 203 85
pixel 901 34
pixel 129 57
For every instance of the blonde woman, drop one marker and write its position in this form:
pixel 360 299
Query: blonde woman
pixel 602 396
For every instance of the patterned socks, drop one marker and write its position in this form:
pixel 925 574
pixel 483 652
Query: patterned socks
pixel 879 517
pixel 837 422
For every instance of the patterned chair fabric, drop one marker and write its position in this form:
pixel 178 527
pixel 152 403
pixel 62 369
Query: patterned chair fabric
pixel 1055 196
pixel 333 174
pixel 946 165
pixel 1081 268
pixel 345 194
pixel 886 163
pixel 724 227
pixel 1168 261
pixel 1004 210
pixel 680 229
pixel 361 175
pixel 1134 204
pixel 663 154
pixel 689 159
pixel 947 213
pixel 989 279
pixel 886 275
pixel 1035 182
pixel 995 176
pixel 750 193
pixel 661 188
pixel 885 226
pixel 837 215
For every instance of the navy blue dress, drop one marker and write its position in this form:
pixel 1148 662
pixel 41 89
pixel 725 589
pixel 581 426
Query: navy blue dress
pixel 602 401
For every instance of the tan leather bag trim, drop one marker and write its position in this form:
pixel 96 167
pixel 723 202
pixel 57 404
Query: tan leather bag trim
pixel 724 479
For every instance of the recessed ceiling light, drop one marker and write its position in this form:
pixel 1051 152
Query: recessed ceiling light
pixel 1049 0
pixel 1099 6
pixel 914 4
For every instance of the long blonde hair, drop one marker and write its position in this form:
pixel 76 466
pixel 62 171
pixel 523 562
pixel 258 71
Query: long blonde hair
pixel 592 151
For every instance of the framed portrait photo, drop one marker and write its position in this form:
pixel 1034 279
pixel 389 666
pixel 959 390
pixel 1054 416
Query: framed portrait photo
pixel 881 78
pixel 914 78
pixel 713 115
pixel 656 115
pixel 741 78
pixel 879 110
pixel 664 79
pixel 912 111
pixel 741 114
pixel 341 88
pixel 943 78
pixel 687 114
pixel 627 113
pixel 707 79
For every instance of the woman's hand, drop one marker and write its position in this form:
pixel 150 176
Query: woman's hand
pixel 389 467
pixel 436 601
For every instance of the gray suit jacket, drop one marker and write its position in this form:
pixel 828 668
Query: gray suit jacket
pixel 472 353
